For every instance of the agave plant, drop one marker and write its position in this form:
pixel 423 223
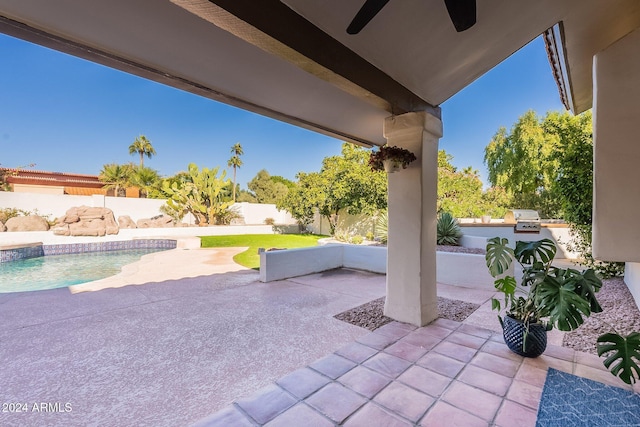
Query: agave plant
pixel 382 226
pixel 447 230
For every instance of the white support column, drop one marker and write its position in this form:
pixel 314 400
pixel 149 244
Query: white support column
pixel 411 259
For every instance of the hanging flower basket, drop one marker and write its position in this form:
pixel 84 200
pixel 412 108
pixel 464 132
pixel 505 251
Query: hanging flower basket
pixel 390 159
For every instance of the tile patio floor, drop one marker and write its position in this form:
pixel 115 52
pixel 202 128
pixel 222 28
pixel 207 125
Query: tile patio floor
pixel 444 374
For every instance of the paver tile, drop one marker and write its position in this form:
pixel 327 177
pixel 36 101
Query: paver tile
pixel 425 380
pixel 525 394
pixel 406 351
pixel 531 375
pixel 444 414
pixel 476 331
pixel 514 414
pixel 466 340
pixel 436 331
pixel 392 330
pixel 376 341
pixel 299 415
pixel 564 353
pixel 364 381
pixel 266 403
pixel 356 352
pixel 486 380
pixel 336 401
pixel 589 359
pixel 544 362
pixel 446 323
pixel 478 402
pixel 333 365
pixel 496 364
pixel 303 382
pixel 601 376
pixel 455 351
pixel 441 364
pixel 404 401
pixel 372 415
pixel 501 349
pixel 387 364
pixel 420 339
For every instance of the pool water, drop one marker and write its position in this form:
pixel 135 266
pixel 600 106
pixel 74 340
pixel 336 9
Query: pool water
pixel 57 271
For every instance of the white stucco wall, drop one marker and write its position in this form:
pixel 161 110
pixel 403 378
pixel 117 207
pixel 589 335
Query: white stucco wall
pixel 632 279
pixel 557 233
pixel 616 112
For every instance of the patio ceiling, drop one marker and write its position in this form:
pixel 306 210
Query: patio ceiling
pixel 293 60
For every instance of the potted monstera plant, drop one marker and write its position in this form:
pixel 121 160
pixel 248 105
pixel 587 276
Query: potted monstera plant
pixel 390 159
pixel 546 297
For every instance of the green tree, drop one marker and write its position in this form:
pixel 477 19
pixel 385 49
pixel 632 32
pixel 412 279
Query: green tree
pixel 115 177
pixel 143 147
pixel 235 162
pixel 345 183
pixel 459 193
pixel 266 189
pixel 574 183
pixel 523 162
pixel 146 179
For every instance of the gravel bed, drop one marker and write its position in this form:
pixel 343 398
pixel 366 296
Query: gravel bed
pixel 460 249
pixel 620 314
pixel 370 315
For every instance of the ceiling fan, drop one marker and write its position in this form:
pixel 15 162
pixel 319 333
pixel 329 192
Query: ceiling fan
pixel 461 12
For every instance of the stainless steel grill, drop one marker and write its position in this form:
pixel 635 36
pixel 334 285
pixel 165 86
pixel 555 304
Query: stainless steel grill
pixel 523 220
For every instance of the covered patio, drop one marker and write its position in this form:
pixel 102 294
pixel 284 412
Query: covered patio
pixel 293 60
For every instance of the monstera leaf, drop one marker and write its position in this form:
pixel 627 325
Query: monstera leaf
pixel 587 287
pixel 557 299
pixel 528 253
pixel 624 355
pixel 499 256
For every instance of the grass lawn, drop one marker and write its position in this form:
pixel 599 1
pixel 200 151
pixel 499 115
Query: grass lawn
pixel 250 257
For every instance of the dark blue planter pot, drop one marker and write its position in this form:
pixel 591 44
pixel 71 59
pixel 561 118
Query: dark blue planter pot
pixel 514 336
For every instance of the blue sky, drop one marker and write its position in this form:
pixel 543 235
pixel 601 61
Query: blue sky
pixel 69 115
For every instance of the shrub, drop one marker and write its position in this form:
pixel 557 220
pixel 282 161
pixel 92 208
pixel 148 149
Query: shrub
pixel 225 216
pixel 447 229
pixel 269 221
pixel 369 235
pixel 356 240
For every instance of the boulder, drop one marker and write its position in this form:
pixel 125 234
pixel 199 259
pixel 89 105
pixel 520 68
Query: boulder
pixel 87 221
pixel 2 227
pixel 160 221
pixel 125 221
pixel 27 223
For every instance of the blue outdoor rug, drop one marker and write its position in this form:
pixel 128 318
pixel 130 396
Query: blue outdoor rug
pixel 571 401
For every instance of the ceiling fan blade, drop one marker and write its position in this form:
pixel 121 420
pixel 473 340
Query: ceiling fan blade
pixel 365 14
pixel 462 13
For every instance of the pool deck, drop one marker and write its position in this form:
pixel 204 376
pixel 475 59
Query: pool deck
pixel 196 338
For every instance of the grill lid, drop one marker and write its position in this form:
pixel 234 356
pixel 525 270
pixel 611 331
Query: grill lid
pixel 517 215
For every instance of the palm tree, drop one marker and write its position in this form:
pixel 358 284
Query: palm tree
pixel 146 179
pixel 143 147
pixel 115 176
pixel 235 163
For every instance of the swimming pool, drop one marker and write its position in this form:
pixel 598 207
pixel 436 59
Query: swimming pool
pixel 57 271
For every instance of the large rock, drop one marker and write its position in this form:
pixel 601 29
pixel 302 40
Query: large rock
pixel 160 221
pixel 87 221
pixel 27 223
pixel 2 227
pixel 125 221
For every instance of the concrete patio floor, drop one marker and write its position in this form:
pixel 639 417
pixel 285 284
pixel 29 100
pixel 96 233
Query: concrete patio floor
pixel 172 352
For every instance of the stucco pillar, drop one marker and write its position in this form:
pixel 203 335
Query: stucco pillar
pixel 616 113
pixel 411 259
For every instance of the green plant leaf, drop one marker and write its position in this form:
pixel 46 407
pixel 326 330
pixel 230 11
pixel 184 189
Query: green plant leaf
pixel 529 253
pixel 507 285
pixel 558 300
pixel 447 230
pixel 623 355
pixel 495 304
pixel 499 256
pixel 587 288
